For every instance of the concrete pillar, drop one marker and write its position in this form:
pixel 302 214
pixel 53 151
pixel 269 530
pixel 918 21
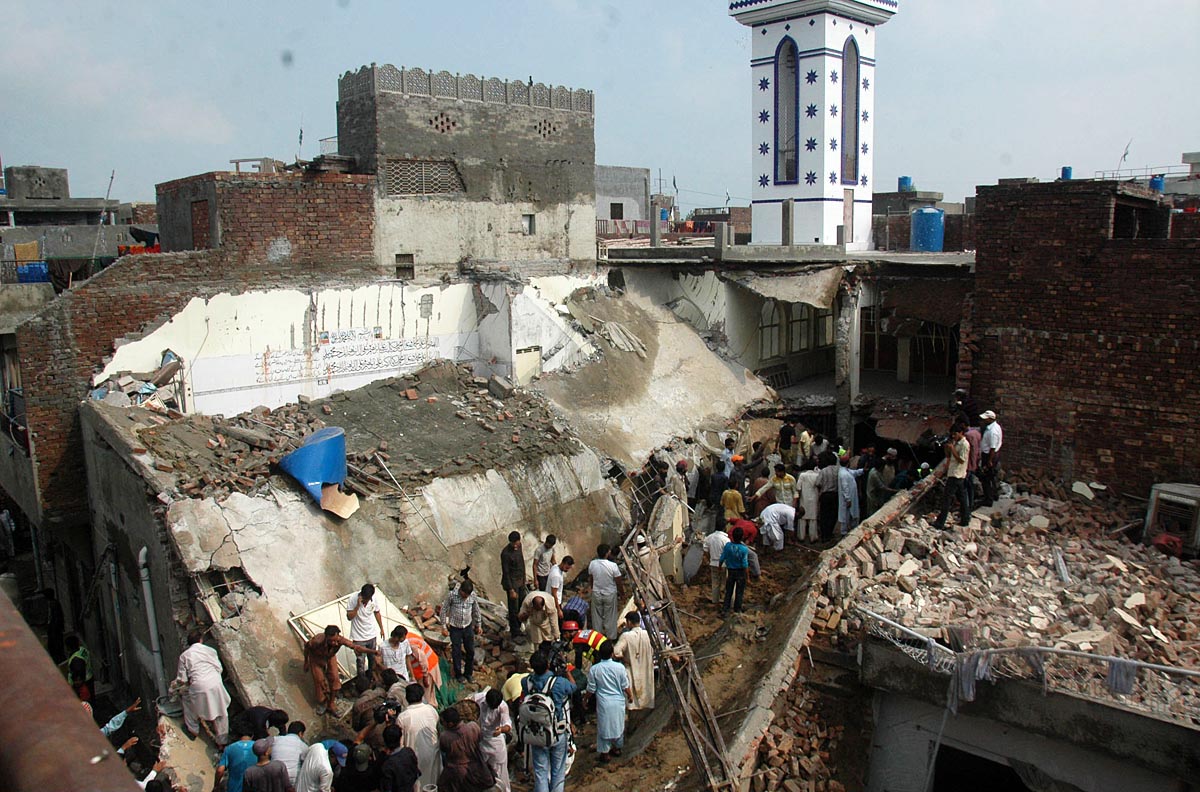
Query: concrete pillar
pixel 721 239
pixel 655 227
pixel 12 219
pixel 904 359
pixel 789 222
pixel 846 359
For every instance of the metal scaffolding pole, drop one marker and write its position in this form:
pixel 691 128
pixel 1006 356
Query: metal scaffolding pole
pixel 683 681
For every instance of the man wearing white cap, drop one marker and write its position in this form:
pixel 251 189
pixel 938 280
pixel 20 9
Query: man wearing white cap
pixel 989 456
pixel 889 466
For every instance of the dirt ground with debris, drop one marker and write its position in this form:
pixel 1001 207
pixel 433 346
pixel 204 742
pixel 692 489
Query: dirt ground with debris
pixel 733 655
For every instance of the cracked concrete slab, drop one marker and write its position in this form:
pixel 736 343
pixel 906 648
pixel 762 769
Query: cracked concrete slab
pixel 627 406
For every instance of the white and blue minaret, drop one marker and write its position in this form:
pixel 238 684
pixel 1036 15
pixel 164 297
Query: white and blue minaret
pixel 813 66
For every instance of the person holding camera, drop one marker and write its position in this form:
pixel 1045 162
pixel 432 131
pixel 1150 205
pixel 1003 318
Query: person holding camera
pixel 548 741
pixel 957 451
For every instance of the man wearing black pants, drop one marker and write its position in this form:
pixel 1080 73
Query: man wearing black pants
pixel 512 580
pixel 735 557
pixel 989 456
pixel 957 451
pixel 460 612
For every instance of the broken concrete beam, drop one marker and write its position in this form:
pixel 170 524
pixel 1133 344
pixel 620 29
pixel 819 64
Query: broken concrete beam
pixel 250 437
pixel 500 387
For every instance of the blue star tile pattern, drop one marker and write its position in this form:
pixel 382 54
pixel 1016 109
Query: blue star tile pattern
pixel 810 178
pixel 764 84
pixel 763 181
pixel 833 144
pixel 811 77
pixel 810 144
pixel 764 116
pixel 764 148
pixel 866 84
pixel 863 180
pixel 833 177
pixel 787 27
pixel 866 149
pixel 812 22
pixel 833 110
pixel 833 76
pixel 811 111
pixel 866 116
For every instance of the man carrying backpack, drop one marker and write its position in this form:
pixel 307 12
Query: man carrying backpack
pixel 545 722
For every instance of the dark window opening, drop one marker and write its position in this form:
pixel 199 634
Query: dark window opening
pixel 616 211
pixel 405 266
pixel 850 112
pixel 787 109
pixel 1131 221
pixel 956 770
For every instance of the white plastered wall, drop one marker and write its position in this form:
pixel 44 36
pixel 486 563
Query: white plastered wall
pixel 441 232
pixel 268 347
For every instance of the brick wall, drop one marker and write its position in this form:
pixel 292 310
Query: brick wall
pixel 893 232
pixel 1086 346
pixel 276 232
pixel 1185 226
pixel 272 217
pixel 201 236
pixel 143 214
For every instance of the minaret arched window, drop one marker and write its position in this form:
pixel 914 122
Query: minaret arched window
pixel 851 80
pixel 787 108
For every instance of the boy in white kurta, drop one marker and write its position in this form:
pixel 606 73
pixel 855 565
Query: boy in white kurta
pixel 494 723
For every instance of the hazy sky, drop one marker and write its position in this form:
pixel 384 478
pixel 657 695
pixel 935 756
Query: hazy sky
pixel 967 91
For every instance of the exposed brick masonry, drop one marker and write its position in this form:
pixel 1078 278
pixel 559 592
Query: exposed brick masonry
pixel 327 226
pixel 1087 346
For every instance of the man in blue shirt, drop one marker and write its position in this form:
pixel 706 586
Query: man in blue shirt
pixel 549 764
pixel 735 557
pixel 237 757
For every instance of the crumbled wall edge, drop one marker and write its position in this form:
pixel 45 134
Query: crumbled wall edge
pixel 743 748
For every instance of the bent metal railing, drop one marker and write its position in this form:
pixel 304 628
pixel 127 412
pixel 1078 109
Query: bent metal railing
pixel 1166 692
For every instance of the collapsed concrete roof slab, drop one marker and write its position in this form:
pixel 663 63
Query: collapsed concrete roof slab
pixel 817 288
pixel 625 405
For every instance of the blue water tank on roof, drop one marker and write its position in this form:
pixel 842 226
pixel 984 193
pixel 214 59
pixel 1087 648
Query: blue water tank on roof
pixel 928 231
pixel 904 184
pixel 1158 183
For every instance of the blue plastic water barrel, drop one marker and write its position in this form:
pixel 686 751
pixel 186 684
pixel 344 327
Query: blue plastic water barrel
pixel 662 215
pixel 1158 183
pixel 1066 173
pixel 904 184
pixel 928 231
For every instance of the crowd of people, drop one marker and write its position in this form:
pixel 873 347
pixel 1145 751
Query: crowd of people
pixel 583 656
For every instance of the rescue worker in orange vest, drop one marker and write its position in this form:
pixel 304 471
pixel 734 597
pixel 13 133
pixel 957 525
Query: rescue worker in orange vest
pixel 427 671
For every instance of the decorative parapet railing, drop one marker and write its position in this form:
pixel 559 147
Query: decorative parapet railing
pixel 1163 691
pixel 373 79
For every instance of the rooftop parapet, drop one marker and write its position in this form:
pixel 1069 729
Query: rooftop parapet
pixel 369 80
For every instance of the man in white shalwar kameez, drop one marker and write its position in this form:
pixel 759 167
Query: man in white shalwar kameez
pixel 494 724
pixel 419 730
pixel 637 653
pixel 201 689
